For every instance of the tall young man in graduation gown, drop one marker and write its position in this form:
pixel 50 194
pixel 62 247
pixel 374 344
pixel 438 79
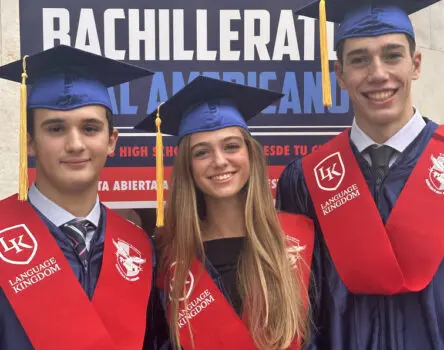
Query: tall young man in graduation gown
pixel 375 193
pixel 73 274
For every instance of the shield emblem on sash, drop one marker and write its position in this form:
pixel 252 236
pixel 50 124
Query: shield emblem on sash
pixel 436 173
pixel 330 172
pixel 129 260
pixel 18 245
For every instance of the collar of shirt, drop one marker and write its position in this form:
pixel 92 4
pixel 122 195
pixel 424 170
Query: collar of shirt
pixel 398 141
pixel 56 214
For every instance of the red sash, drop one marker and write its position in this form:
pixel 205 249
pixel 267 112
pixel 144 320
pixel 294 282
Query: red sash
pixel 214 322
pixel 404 255
pixel 47 297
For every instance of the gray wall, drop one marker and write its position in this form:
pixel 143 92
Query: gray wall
pixel 427 92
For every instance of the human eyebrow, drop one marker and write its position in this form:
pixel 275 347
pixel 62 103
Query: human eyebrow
pixel 93 121
pixel 232 138
pixel 390 47
pixel 200 144
pixel 357 52
pixel 52 121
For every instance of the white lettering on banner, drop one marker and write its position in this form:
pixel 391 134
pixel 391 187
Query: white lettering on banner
pixel 55 32
pixel 131 185
pixel 257 42
pixel 109 18
pixel 146 35
pixel 34 275
pixel 203 54
pixel 340 198
pixel 195 307
pixel 157 23
pixel 87 36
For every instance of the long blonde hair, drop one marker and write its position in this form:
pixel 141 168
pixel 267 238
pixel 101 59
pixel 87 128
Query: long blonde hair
pixel 268 285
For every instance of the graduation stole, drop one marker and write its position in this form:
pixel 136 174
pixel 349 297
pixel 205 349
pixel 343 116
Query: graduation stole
pixel 213 321
pixel 404 255
pixel 49 300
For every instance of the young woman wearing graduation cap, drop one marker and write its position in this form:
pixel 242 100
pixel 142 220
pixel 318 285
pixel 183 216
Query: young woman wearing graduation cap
pixel 232 272
pixel 73 274
pixel 375 192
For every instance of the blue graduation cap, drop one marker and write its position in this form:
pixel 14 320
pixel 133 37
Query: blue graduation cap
pixel 360 18
pixel 205 104
pixel 63 78
pixel 365 18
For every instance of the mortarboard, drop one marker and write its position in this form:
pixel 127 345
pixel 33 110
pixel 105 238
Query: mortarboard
pixel 64 78
pixel 205 104
pixel 360 18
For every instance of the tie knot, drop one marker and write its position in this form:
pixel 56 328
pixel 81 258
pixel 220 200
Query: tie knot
pixel 76 231
pixel 380 155
pixel 80 225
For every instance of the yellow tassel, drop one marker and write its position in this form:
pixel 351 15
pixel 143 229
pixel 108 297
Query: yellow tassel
pixel 23 161
pixel 326 85
pixel 159 171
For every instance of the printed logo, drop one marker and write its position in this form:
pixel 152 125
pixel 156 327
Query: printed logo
pixel 436 174
pixel 189 285
pixel 129 260
pixel 294 250
pixel 18 245
pixel 330 172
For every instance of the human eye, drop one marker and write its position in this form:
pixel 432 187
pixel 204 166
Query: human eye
pixel 358 61
pixel 91 129
pixel 55 128
pixel 393 56
pixel 232 146
pixel 200 153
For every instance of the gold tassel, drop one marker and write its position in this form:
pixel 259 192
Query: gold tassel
pixel 159 171
pixel 23 160
pixel 326 85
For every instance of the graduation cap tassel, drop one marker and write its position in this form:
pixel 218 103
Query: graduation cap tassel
pixel 326 86
pixel 23 161
pixel 159 171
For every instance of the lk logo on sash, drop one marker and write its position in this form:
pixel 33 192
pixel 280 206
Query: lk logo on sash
pixel 436 174
pixel 129 260
pixel 189 285
pixel 18 245
pixel 330 172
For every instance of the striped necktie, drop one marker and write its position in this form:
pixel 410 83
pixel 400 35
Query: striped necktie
pixel 76 231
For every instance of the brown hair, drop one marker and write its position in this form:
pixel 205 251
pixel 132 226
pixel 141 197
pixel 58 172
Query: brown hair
pixel 268 285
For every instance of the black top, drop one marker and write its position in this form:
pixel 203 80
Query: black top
pixel 224 255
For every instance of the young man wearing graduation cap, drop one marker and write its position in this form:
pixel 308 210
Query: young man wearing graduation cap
pixel 245 294
pixel 375 193
pixel 73 274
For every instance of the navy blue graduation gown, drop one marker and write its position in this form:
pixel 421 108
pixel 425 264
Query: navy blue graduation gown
pixel 12 334
pixel 342 320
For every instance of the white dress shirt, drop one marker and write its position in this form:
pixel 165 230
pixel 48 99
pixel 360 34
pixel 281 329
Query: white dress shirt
pixel 59 216
pixel 398 141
